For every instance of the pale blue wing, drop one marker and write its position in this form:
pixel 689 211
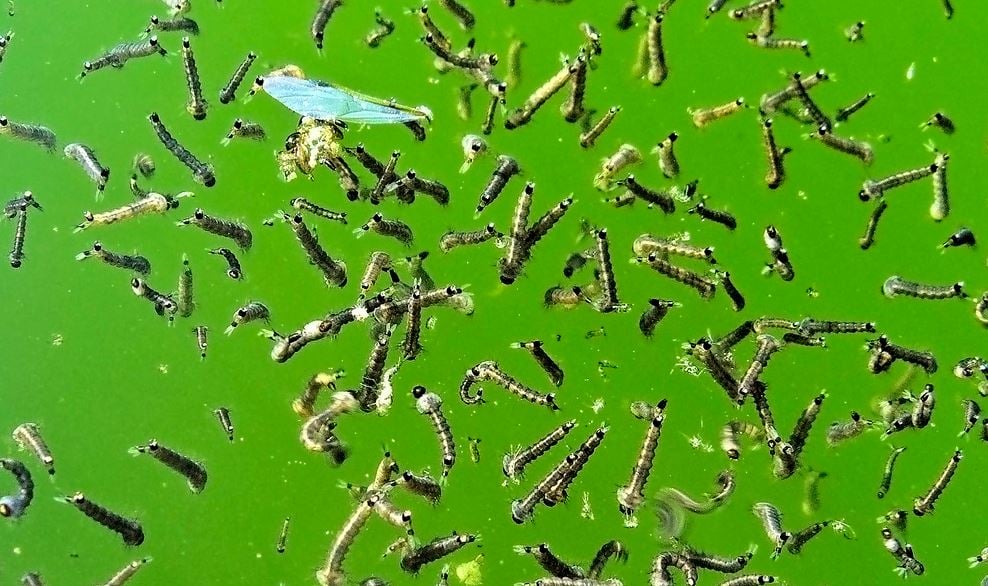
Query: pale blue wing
pixel 322 101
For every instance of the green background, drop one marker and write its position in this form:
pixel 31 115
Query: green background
pixel 103 389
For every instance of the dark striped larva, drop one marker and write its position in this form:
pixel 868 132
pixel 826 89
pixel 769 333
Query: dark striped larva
pixel 118 55
pixel 668 163
pixel 611 549
pixel 810 326
pixel 430 405
pixel 304 205
pixel 194 472
pixel 626 156
pixel 487 126
pixel 505 167
pixel 333 271
pixel 972 414
pixel 390 228
pixel 282 542
pixel 436 549
pixel 385 27
pixel 244 129
pixel 924 504
pixel 16 255
pixel 737 299
pixel 252 311
pixel 370 380
pixel 941 121
pixel 424 486
pixel 239 233
pixel 590 136
pixel 85 156
pixel 868 239
pixel 28 437
pixel 704 116
pixel 631 495
pixel 331 573
pixel 128 529
pixel 940 207
pixel 389 513
pixel 411 345
pixel 801 431
pixel 546 221
pixel 514 463
pixel 15 505
pixel 767 346
pixel 545 362
pixel 819 118
pixel 771 102
pixel 721 217
pixel 201 172
pixel 557 491
pixel 175 24
pixel 451 240
pixel 473 147
pixel 646 244
pixel 130 262
pixel 771 520
pixel 883 486
pixel 517 250
pixel 844 113
pixel 767 42
pixel 541 95
pixel 550 562
pixel 840 431
pixel 163 304
pixel 663 199
pixel 233 269
pixel 40 135
pixel 657 71
pixel 229 91
pixel 196 106
pixel 895 286
pixel 704 286
pixel 776 171
pixel 186 300
pixel 857 149
pixel 573 108
pixel 608 285
pixel 656 311
pixel 323 13
pixel 412 181
pixel 871 189
pixel 379 262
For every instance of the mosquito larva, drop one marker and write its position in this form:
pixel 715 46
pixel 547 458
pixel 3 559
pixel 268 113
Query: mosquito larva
pixel 588 138
pixel 841 431
pixel 323 13
pixel 229 91
pixel 844 113
pixel 225 228
pixel 776 172
pixel 385 27
pixel 244 129
pixel 129 529
pixel 194 472
pixel 631 495
pixel 940 207
pixel 941 121
pixel 895 286
pixel 430 405
pixel 233 269
pixel 704 116
pixel 85 156
pixel 776 43
pixel 28 437
pixel 703 285
pixel 719 216
pixel 163 304
pixel 871 189
pixel 252 311
pixel 40 135
pixel 196 105
pixel 201 172
pixel 924 504
pixel 573 108
pixel 657 71
pixel 541 95
pixel 883 486
pixel 857 149
pixel 855 33
pixel 754 9
pixel 868 239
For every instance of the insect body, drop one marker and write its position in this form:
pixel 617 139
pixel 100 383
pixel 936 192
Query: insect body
pixel 16 505
pixel 196 104
pixel 194 472
pixel 430 405
pixel 28 437
pixel 40 135
pixel 225 228
pixel 229 91
pixel 252 311
pixel 129 530
pixel 201 172
pixel 87 159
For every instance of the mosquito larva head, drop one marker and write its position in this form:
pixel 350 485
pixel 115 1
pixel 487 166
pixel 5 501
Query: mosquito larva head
pixel 418 391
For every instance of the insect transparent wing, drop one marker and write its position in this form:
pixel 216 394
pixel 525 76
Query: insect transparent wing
pixel 325 102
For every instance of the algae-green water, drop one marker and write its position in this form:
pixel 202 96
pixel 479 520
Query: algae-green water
pixel 99 372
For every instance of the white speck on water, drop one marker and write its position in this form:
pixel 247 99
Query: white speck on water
pixel 911 72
